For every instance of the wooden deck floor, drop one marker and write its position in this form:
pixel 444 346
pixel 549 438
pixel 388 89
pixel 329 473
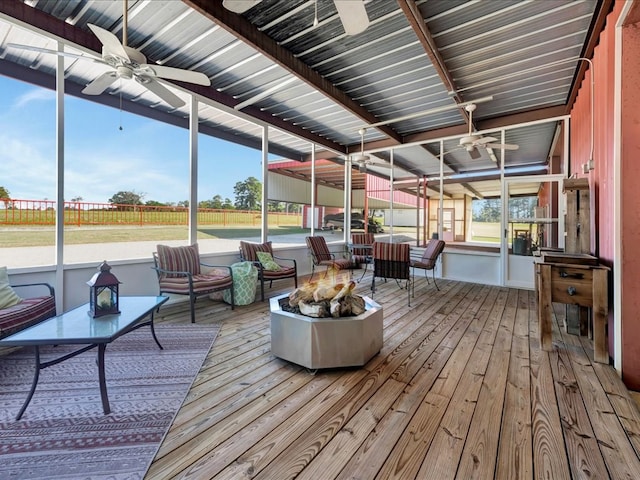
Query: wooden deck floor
pixel 459 390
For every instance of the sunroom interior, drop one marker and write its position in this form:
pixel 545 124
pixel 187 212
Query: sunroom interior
pixel 407 93
pixel 430 110
pixel 433 109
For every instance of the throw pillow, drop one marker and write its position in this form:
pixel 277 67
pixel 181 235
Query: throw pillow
pixel 8 298
pixel 267 261
pixel 179 259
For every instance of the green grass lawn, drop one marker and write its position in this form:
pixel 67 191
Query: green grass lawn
pixel 45 236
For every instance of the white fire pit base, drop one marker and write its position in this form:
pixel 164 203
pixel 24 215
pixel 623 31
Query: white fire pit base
pixel 326 342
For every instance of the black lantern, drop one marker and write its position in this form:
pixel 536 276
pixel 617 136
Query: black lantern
pixel 103 292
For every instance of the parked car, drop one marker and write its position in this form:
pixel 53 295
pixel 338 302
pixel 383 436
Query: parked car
pixel 336 221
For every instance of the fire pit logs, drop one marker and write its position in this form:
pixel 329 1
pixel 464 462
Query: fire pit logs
pixel 319 300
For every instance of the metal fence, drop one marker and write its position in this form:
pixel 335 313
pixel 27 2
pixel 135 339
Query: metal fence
pixel 43 212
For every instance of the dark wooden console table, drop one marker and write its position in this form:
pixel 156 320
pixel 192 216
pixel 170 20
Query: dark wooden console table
pixel 575 279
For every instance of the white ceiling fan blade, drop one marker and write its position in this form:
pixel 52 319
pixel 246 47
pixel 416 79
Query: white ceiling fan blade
pixel 239 6
pixel 100 84
pixel 164 93
pixel 180 74
pixel 506 146
pixel 353 16
pixel 380 164
pixel 483 140
pixel 109 41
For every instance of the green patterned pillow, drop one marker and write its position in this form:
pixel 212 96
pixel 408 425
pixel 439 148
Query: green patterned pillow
pixel 267 261
pixel 8 298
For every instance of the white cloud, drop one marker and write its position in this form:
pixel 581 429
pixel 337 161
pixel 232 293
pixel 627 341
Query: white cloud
pixel 34 95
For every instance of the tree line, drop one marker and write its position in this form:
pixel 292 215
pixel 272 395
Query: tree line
pixel 490 210
pixel 248 196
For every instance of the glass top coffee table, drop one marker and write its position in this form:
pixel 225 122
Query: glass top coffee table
pixel 78 327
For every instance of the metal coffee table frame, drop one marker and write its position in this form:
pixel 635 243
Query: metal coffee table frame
pixel 78 327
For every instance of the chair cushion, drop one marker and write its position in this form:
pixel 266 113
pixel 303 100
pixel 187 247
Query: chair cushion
pixel 362 255
pixel 267 261
pixel 395 252
pixel 28 312
pixel 179 259
pixel 249 250
pixel 319 248
pixel 216 279
pixel 8 298
pixel 284 272
pixel 391 260
pixel 430 256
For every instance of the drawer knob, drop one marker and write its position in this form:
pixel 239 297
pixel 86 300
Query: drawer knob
pixel 572 291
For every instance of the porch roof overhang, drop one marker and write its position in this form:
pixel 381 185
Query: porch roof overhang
pixel 405 79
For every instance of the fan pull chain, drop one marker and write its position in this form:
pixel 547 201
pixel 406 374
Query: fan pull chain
pixel 120 128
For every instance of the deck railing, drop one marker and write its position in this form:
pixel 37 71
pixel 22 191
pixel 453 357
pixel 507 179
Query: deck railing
pixel 43 213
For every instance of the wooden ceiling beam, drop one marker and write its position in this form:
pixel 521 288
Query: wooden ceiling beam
pixel 241 28
pixel 414 17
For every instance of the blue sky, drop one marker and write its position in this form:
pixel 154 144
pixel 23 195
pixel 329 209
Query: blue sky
pixel 148 157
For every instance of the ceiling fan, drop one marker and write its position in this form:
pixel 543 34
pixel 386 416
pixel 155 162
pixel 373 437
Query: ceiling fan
pixel 352 13
pixel 362 161
pixel 129 63
pixel 471 142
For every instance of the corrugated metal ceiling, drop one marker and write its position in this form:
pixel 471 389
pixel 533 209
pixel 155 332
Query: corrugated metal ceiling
pixel 319 84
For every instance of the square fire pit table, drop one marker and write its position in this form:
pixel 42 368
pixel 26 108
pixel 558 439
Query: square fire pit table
pixel 326 342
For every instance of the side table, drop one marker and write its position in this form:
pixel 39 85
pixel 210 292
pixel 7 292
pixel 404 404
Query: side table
pixel 579 280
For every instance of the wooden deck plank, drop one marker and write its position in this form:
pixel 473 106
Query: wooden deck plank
pixel 619 455
pixel 460 387
pixel 549 457
pixel 443 457
pixel 585 458
pixel 480 450
pixel 425 411
pixel 515 456
pixel 300 452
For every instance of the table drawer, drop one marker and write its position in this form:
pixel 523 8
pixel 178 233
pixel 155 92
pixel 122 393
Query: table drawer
pixel 572 285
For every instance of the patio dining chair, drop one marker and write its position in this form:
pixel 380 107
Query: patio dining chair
pixel 320 255
pixel 428 261
pixel 392 260
pixel 361 250
pixel 180 273
pixel 270 267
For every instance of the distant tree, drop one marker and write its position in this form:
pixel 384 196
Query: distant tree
pixel 228 204
pixel 183 203
pixel 215 202
pixel 489 210
pixel 248 194
pixel 154 203
pixel 522 207
pixel 127 198
pixel 5 195
pixel 276 206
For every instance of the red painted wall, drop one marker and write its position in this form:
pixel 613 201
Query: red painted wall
pixel 601 178
pixel 630 204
